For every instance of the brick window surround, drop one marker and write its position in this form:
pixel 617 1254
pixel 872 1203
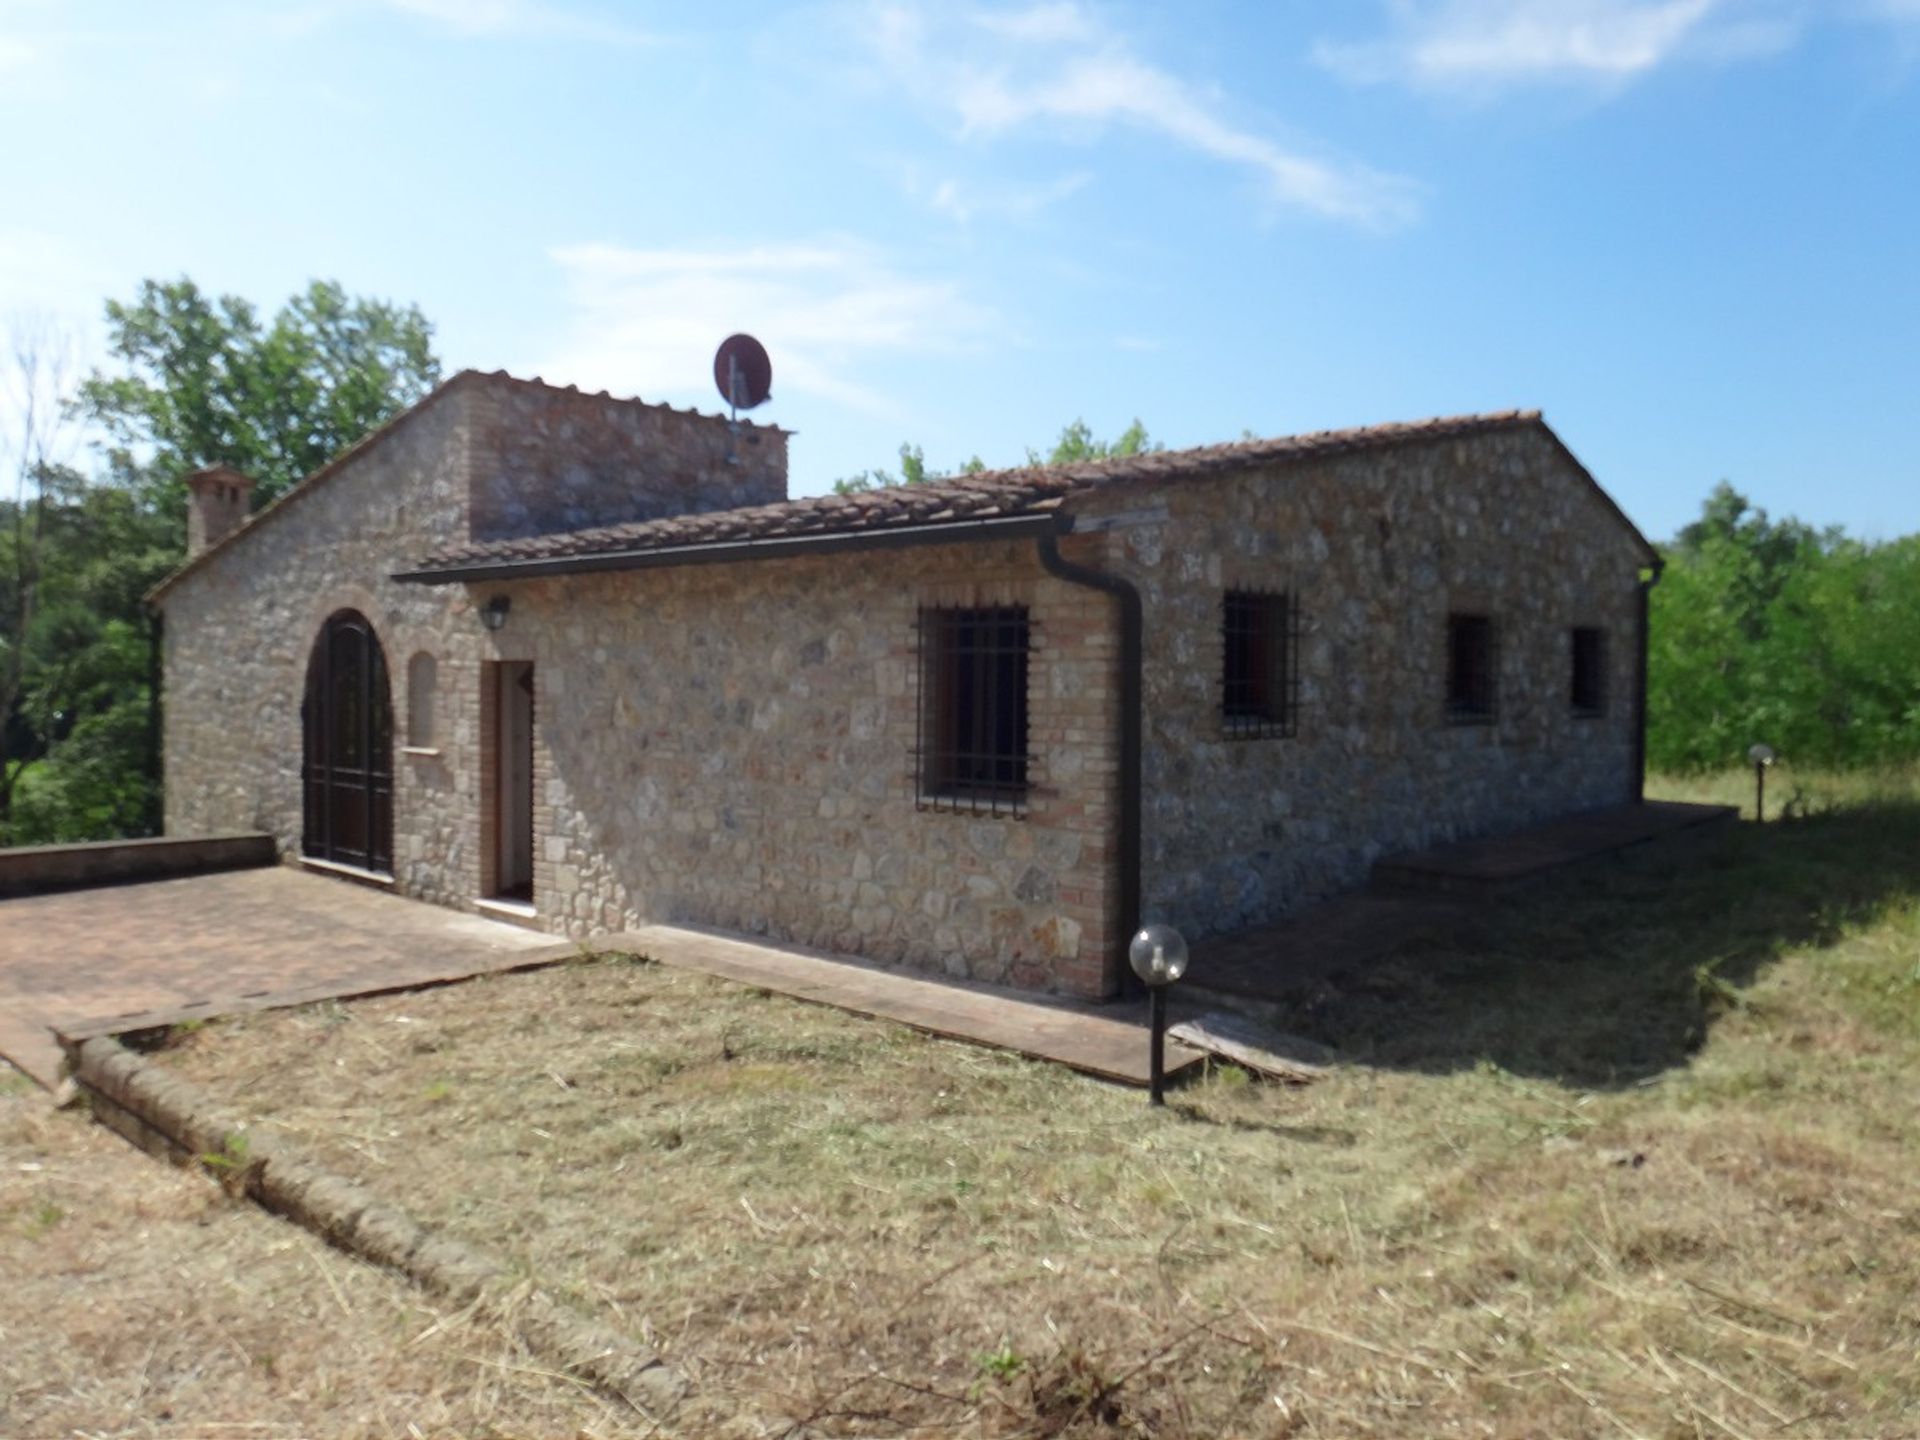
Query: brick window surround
pixel 973 722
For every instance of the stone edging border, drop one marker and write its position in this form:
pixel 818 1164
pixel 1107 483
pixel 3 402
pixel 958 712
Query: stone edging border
pixel 165 1115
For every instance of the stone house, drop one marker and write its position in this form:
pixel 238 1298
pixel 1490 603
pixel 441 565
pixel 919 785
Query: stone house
pixel 579 662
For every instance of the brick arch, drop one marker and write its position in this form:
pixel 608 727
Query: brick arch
pixel 334 598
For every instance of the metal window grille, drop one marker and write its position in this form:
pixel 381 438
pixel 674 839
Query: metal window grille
pixel 1473 670
pixel 1589 688
pixel 971 747
pixel 1260 664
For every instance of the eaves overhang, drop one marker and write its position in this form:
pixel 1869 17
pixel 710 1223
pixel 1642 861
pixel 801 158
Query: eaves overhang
pixel 730 552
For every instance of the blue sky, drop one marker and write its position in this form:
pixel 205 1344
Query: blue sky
pixel 1689 230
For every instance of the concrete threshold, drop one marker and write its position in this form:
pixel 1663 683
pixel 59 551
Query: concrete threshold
pixel 1108 1040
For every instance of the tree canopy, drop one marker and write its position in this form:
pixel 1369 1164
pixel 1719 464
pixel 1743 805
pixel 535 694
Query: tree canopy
pixel 1077 442
pixel 197 381
pixel 1773 631
pixel 202 381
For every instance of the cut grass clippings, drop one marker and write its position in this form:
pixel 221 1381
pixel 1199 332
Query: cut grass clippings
pixel 1636 1158
pixel 140 1300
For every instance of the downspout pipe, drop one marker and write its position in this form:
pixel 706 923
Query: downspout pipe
pixel 1645 592
pixel 1127 863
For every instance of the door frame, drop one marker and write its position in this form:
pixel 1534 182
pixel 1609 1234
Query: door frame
pixel 509 697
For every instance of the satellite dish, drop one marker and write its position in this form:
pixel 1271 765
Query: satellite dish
pixel 743 372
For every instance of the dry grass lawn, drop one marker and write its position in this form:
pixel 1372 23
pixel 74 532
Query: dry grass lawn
pixel 1638 1159
pixel 138 1300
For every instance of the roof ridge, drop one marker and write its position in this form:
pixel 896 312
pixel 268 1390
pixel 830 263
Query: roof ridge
pixel 537 382
pixel 955 498
pixel 1317 439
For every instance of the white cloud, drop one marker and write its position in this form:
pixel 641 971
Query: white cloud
pixel 1056 69
pixel 967 201
pixel 1469 44
pixel 646 321
pixel 1045 24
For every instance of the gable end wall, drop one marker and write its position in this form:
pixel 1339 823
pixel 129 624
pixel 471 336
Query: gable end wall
pixel 1377 549
pixel 239 632
pixel 546 461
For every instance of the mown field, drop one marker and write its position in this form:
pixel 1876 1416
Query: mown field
pixel 1634 1158
pixel 139 1300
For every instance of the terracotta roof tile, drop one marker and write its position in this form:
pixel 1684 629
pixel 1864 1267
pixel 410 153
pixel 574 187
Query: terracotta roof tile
pixel 1032 490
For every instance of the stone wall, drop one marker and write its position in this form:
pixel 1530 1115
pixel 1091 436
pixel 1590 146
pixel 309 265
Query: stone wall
pixel 725 745
pixel 240 627
pixel 734 746
pixel 38 869
pixel 1377 549
pixel 546 460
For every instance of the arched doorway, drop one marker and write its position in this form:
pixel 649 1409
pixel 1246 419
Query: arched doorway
pixel 347 767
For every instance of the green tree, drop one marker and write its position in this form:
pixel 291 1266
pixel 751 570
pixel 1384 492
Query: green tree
pixel 1775 631
pixel 913 471
pixel 199 381
pixel 32 449
pixel 1077 442
pixel 202 381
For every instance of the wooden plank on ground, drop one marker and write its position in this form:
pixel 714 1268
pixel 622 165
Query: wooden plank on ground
pixel 1105 1040
pixel 1244 1041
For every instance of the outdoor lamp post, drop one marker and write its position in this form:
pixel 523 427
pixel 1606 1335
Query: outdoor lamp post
pixel 1762 757
pixel 1158 955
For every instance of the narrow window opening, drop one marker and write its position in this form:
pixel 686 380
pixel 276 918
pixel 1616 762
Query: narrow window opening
pixel 1472 669
pixel 1589 688
pixel 1259 672
pixel 973 709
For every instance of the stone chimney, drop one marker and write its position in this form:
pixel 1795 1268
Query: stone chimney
pixel 216 504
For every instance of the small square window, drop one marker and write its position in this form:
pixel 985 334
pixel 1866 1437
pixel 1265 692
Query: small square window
pixel 1589 690
pixel 973 709
pixel 1259 676
pixel 1472 669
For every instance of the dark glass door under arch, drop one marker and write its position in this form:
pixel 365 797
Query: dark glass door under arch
pixel 347 768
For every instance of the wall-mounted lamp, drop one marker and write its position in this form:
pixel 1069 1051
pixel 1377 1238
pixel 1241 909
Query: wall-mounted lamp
pixel 493 614
pixel 1158 955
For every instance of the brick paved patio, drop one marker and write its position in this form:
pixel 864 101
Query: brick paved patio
pixel 129 956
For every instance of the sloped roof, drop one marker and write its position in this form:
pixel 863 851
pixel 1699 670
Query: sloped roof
pixel 961 502
pixel 375 437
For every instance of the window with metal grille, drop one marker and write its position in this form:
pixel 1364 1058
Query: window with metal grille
pixel 1472 669
pixel 1259 675
pixel 973 709
pixel 1589 690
